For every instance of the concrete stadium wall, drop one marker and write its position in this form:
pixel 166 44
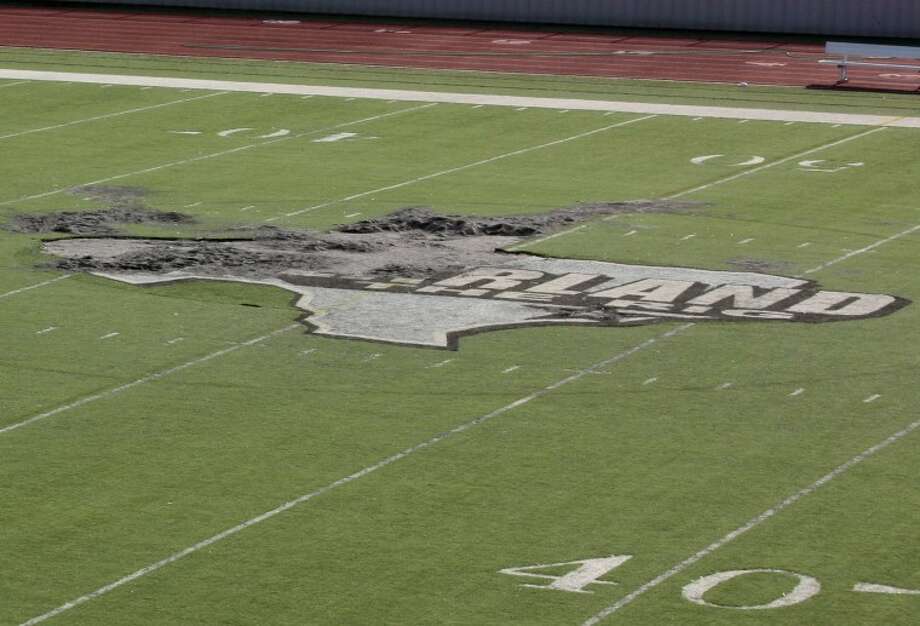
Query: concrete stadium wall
pixel 867 18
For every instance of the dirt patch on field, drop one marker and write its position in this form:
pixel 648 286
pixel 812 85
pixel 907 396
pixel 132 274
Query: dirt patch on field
pixel 761 265
pixel 125 206
pixel 413 242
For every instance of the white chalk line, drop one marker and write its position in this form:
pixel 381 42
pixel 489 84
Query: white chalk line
pixel 35 286
pixel 149 569
pixel 140 381
pixel 715 183
pixel 467 166
pixel 14 83
pixel 766 166
pixel 751 524
pixel 110 115
pixel 400 95
pixel 872 246
pixel 212 155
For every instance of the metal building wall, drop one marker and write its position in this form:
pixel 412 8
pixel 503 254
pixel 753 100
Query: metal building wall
pixel 872 18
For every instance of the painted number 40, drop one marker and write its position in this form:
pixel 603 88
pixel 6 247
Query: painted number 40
pixel 587 572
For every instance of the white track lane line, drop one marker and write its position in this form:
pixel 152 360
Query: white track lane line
pixel 110 115
pixel 212 155
pixel 35 286
pixel 640 108
pixel 751 524
pixel 149 569
pixel 460 168
pixel 146 379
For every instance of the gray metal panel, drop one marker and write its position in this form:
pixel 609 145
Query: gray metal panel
pixel 878 18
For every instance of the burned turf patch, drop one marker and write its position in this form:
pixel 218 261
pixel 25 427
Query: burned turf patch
pixel 126 205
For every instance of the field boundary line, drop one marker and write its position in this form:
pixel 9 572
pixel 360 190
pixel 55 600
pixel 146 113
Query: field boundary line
pixel 108 115
pixel 149 569
pixel 145 379
pixel 35 286
pixel 752 523
pixel 686 110
pixel 460 168
pixel 204 157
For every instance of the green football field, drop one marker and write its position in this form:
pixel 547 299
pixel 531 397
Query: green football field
pixel 193 453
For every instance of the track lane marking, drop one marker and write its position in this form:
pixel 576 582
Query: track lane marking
pixel 110 115
pixel 460 168
pixel 145 379
pixel 212 155
pixel 229 532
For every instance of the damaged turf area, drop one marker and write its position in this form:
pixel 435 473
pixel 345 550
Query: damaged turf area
pixel 411 242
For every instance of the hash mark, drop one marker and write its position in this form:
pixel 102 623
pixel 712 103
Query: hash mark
pixel 724 386
pixel 372 357
pixel 697 119
pixel 521 109
pixel 188 206
pixel 246 208
pixel 305 97
pixel 691 236
pixel 872 398
pixel 109 336
pixel 309 351
pixel 744 241
pixel 348 99
pixel 797 392
pixel 744 121
pixel 354 214
pixel 440 364
pixel 176 340
pixel 511 369
pixel 564 111
pixel 631 233
pixel 650 380
pixel 265 95
pixel 478 106
pixel 45 330
pixel 788 123
pixel 804 245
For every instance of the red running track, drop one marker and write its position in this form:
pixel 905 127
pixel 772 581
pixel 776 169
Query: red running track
pixel 501 48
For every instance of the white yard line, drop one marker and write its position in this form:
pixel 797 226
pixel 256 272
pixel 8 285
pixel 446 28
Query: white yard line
pixel 212 155
pixel 467 98
pixel 771 512
pixel 108 393
pixel 35 286
pixel 767 166
pixel 853 253
pixel 109 115
pixel 750 525
pixel 460 168
pixel 14 83
pixel 715 183
pixel 153 567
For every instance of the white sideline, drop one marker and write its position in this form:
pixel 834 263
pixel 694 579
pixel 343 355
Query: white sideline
pixel 149 569
pixel 212 155
pixel 35 286
pixel 475 99
pixel 460 168
pixel 109 115
pixel 753 523
pixel 146 379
